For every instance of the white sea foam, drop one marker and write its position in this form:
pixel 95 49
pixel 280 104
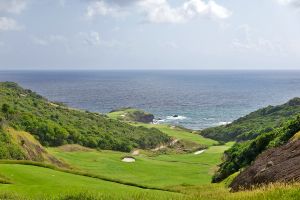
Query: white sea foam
pixel 172 118
pixel 209 119
pixel 158 121
pixel 223 123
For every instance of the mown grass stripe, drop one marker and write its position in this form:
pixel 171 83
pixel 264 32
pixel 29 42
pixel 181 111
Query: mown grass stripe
pixel 86 174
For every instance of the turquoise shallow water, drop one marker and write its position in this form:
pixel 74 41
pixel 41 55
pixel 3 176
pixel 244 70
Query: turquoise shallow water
pixel 200 98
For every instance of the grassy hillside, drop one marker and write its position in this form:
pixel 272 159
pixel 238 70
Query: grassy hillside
pixel 271 166
pixel 261 121
pixel 31 149
pixel 8 149
pixel 26 117
pixel 55 124
pixel 243 153
pixel 175 132
pixel 181 133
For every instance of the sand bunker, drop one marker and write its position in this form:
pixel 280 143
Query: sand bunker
pixel 128 160
pixel 199 152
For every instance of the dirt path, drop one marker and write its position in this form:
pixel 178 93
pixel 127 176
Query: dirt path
pixel 173 142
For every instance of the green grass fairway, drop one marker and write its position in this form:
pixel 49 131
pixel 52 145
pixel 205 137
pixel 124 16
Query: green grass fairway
pixel 175 132
pixel 159 171
pixel 180 133
pixel 33 181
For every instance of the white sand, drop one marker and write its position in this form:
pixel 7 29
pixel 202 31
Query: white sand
pixel 199 152
pixel 128 160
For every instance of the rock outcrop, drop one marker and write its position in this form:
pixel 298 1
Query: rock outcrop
pixel 133 115
pixel 143 117
pixel 280 164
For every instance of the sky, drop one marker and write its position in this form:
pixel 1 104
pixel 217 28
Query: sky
pixel 149 34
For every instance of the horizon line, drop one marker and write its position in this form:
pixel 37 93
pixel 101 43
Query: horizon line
pixel 66 69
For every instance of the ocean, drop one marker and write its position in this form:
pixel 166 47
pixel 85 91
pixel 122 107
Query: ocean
pixel 201 99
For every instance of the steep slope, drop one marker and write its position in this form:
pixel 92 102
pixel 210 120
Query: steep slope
pixel 280 164
pixel 20 145
pixel 9 149
pixel 256 123
pixel 242 154
pixel 32 149
pixel 55 124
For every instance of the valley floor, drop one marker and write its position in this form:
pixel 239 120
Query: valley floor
pixel 150 170
pixel 32 182
pixel 154 175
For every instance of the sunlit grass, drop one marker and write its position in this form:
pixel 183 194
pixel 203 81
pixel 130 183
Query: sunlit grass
pixel 160 171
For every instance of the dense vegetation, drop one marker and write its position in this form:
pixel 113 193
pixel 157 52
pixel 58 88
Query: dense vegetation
pixel 54 124
pixel 243 153
pixel 260 130
pixel 9 150
pixel 262 121
pixel 183 134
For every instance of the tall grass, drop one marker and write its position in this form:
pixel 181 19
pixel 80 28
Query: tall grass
pixel 209 192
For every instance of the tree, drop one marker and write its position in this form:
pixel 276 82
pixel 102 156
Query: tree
pixel 5 108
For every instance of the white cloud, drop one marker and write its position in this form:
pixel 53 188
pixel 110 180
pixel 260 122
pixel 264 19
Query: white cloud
pixel 93 38
pixel 116 29
pixel 8 24
pixel 76 41
pixel 12 6
pixel 171 45
pixel 103 8
pixel 295 3
pixel 62 2
pixel 159 11
pixel 40 41
pixel 249 40
pixel 45 41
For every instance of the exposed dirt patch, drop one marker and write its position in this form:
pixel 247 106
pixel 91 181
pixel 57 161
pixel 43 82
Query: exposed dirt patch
pixel 179 146
pixel 135 152
pixel 280 164
pixel 32 149
pixel 164 146
pixel 74 148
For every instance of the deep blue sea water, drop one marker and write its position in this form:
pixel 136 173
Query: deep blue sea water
pixel 200 98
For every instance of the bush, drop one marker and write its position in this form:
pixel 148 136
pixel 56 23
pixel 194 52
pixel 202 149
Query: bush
pixel 55 125
pixel 242 154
